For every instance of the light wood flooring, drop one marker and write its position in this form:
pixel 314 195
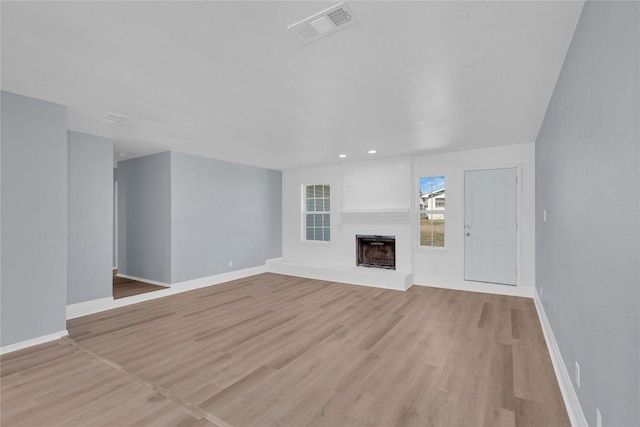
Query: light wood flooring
pixel 128 287
pixel 273 350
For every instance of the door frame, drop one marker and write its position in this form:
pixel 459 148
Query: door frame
pixel 518 168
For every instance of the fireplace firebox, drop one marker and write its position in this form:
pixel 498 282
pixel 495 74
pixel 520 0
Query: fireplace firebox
pixel 376 251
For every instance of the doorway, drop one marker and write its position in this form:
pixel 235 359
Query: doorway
pixel 490 226
pixel 124 286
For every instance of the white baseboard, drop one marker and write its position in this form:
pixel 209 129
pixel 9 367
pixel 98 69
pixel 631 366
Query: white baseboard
pixel 463 285
pixel 203 282
pixel 103 304
pixel 141 279
pixel 571 402
pixel 87 307
pixel 34 341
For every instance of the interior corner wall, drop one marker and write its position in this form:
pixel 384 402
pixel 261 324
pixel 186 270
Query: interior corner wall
pixel 222 212
pixel 33 219
pixel 144 217
pixel 588 181
pixel 90 192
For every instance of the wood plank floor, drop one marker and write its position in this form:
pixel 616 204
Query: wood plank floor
pixel 273 350
pixel 128 287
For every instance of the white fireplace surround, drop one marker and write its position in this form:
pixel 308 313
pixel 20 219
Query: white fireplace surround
pixel 379 223
pixel 391 222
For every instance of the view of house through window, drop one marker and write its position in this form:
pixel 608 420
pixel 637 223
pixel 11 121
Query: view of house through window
pixel 432 211
pixel 317 212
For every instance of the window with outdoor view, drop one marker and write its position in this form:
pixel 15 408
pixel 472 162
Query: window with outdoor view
pixel 432 211
pixel 317 217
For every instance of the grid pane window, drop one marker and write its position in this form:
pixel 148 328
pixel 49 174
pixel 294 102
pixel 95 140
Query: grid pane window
pixel 432 211
pixel 317 213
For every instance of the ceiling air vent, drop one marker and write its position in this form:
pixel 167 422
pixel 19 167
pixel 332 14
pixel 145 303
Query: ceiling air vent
pixel 324 23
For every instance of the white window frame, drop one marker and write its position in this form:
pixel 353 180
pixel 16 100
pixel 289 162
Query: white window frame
pixel 432 211
pixel 324 214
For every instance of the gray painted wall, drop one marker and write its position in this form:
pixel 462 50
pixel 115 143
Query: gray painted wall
pixel 144 217
pixel 183 217
pixel 222 212
pixel 587 178
pixel 34 218
pixel 90 187
pixel 115 216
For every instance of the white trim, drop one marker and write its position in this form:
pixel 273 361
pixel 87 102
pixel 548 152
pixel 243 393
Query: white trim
pixel 97 306
pixel 571 402
pixel 216 279
pixel 465 285
pixel 519 220
pixel 303 232
pixel 142 279
pixel 33 341
pixel 415 210
pixel 87 307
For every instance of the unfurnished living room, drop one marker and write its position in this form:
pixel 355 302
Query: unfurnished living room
pixel 320 213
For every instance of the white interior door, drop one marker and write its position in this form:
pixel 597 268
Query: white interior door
pixel 490 201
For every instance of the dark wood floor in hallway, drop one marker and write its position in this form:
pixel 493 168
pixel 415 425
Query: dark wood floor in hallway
pixel 273 350
pixel 123 287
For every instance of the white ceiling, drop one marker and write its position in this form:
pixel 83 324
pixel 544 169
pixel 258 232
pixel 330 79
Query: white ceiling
pixel 228 80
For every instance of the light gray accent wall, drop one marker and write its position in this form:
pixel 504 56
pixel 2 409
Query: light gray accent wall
pixel 222 212
pixel 144 217
pixel 587 178
pixel 34 218
pixel 90 186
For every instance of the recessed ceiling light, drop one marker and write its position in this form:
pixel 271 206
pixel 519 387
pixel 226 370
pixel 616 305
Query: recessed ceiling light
pixel 372 151
pixel 122 154
pixel 342 156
